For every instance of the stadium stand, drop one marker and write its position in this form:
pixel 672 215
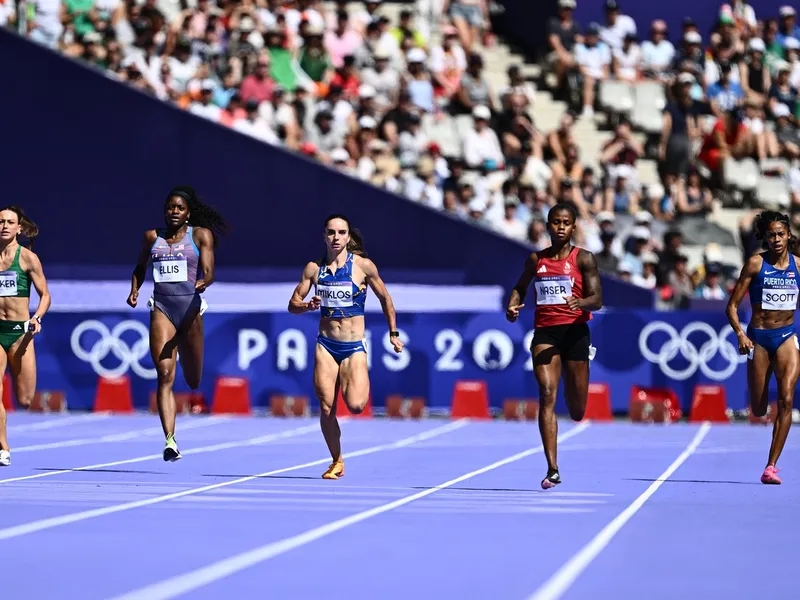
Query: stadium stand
pixel 423 100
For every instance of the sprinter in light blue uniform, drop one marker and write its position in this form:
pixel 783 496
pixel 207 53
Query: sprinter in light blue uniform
pixel 771 278
pixel 340 280
pixel 181 256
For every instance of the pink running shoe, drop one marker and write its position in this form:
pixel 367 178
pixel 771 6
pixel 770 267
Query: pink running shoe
pixel 770 476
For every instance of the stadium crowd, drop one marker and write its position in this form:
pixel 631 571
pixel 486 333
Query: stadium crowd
pixel 346 85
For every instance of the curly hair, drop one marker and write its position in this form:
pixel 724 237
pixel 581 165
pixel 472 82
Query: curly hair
pixel 200 214
pixel 765 218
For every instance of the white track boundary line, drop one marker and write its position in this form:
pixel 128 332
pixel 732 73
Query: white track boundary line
pixel 120 437
pixel 560 582
pixel 53 422
pixel 177 586
pixel 264 439
pixel 34 526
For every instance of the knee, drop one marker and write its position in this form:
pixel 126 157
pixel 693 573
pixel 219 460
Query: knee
pixel 193 382
pixel 356 407
pixel 759 409
pixel 165 373
pixel 547 395
pixel 325 407
pixel 24 399
pixel 576 413
pixel 785 401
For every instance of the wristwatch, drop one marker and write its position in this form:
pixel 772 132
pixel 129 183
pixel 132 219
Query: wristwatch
pixel 394 334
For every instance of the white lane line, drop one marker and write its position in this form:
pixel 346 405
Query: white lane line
pixel 34 526
pixel 177 586
pixel 119 437
pixel 559 583
pixel 53 422
pixel 264 439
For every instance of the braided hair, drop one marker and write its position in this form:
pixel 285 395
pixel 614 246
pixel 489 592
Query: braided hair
pixel 356 243
pixel 764 219
pixel 200 214
pixel 567 206
pixel 27 227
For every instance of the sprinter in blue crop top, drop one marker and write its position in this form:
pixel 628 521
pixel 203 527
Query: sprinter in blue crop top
pixel 771 278
pixel 340 280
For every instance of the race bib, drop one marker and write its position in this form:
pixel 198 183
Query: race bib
pixel 335 294
pixel 779 297
pixel 551 290
pixel 8 283
pixel 170 271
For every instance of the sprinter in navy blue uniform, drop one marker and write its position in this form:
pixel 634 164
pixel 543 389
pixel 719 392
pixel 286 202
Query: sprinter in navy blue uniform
pixel 771 278
pixel 340 280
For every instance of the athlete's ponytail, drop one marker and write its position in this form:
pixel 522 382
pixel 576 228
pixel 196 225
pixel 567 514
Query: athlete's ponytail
pixel 201 215
pixel 27 227
pixel 356 243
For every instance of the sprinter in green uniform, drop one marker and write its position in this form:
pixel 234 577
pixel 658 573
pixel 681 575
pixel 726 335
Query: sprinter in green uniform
pixel 19 268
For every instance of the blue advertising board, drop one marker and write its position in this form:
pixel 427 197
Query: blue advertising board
pixel 274 351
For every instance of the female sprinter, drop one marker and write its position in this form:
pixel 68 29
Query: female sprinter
pixel 19 268
pixel 770 342
pixel 182 255
pixel 341 278
pixel 567 287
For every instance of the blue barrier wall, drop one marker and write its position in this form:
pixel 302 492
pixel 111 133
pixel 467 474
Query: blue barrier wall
pixel 275 352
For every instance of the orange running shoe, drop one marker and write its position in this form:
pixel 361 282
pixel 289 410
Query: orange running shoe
pixel 335 471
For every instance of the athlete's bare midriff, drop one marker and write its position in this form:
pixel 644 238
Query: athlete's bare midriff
pixel 770 319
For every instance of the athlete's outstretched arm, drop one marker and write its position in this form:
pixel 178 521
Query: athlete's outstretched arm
pixel 141 265
pixel 376 283
pixel 33 266
pixel 520 290
pixel 205 243
pixel 749 270
pixel 297 303
pixel 592 289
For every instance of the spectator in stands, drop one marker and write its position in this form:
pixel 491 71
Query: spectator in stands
pixel 471 19
pixel 622 150
pixel 253 125
pixel 481 143
pixel 793 58
pixel 782 92
pixel 725 95
pixel 594 61
pixel 315 60
pixel 647 279
pixel 572 167
pixel 624 272
pixel 341 41
pixel 788 27
pixel 518 86
pixel 680 128
pixel 786 132
pixel 590 190
pixel 558 140
pixel 447 64
pixel 618 26
pixel 627 60
pixel 418 81
pixel 474 88
pixel 754 74
pixel 693 198
pixel 406 35
pixel 620 197
pixel 639 239
pixel 680 282
pixel 657 53
pixel 728 139
pixel 385 80
pixel 563 34
pixel 711 288
pixel 46 25
pixel 607 262
pixel 510 225
pixel 537 233
pixel 691 54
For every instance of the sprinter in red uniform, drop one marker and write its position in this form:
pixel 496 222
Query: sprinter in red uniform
pixel 567 287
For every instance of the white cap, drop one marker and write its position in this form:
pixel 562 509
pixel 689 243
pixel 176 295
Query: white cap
pixel 787 11
pixel 366 91
pixel 693 37
pixel 791 43
pixel 367 122
pixel 477 204
pixel 781 110
pixel 757 45
pixel 640 233
pixel 648 258
pixel 482 112
pixel 340 155
pixel 416 55
pixel 566 3
pixel 624 171
pixel 686 78
pixel 624 268
pixel 208 85
pixel 643 217
pixel 605 217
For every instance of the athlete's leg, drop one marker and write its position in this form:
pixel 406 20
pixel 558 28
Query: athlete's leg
pixel 163 348
pixel 787 369
pixel 576 387
pixel 22 366
pixel 326 387
pixel 759 372
pixel 354 379
pixel 3 417
pixel 191 344
pixel 547 366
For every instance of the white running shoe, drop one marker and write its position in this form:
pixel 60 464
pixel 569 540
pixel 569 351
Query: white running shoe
pixel 5 458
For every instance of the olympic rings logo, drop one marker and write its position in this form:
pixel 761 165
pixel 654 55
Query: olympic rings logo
pixel 717 343
pixel 111 341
